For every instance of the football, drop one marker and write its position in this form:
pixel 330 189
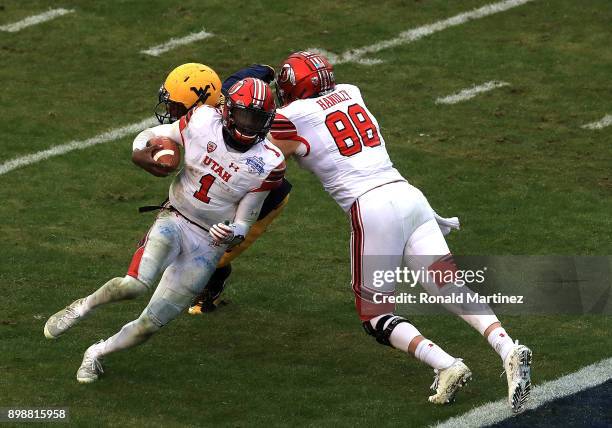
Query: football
pixel 169 154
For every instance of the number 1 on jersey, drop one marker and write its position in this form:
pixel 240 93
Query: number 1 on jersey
pixel 202 194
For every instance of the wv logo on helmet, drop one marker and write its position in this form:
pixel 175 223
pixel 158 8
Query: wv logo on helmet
pixel 202 94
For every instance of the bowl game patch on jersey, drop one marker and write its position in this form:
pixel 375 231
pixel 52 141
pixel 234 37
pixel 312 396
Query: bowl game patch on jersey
pixel 256 164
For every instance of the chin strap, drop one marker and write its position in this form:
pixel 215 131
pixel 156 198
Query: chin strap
pixel 230 141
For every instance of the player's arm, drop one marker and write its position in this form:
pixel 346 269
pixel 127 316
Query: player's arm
pixel 248 210
pixel 258 71
pixel 287 147
pixel 142 153
pixel 246 214
pixel 284 135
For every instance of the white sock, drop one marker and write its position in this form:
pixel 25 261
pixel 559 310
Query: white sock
pixel 427 351
pixel 402 336
pixel 98 349
pixel 501 342
pixel 432 355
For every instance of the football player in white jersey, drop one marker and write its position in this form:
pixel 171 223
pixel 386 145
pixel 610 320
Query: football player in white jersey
pixel 331 132
pixel 229 169
pixel 188 86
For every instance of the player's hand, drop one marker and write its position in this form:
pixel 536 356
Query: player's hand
pixel 144 159
pixel 224 234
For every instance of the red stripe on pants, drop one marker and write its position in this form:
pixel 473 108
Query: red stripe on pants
pixel 137 257
pixel 366 308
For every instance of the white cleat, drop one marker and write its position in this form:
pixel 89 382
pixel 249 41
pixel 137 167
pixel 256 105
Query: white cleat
pixel 448 381
pixel 61 321
pixel 518 373
pixel 91 367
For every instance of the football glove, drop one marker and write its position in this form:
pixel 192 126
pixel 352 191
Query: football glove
pixel 226 234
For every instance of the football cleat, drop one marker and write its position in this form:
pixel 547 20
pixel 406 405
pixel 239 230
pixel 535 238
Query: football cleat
pixel 195 309
pixel 61 321
pixel 518 374
pixel 200 307
pixel 91 367
pixel 210 298
pixel 448 381
pixel 205 303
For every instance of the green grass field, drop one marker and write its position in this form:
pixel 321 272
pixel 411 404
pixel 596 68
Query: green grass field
pixel 513 163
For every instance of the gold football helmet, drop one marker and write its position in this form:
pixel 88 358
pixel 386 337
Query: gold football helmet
pixel 187 86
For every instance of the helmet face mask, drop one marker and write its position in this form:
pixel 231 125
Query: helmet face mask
pixel 166 110
pixel 278 99
pixel 248 113
pixel 251 122
pixel 187 86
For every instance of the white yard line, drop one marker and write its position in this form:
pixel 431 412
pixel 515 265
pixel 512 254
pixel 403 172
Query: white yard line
pixel 357 55
pixel 173 43
pixel 35 19
pixel 466 94
pixel 105 137
pixel 494 412
pixel 600 124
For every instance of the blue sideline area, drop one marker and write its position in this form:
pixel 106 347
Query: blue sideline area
pixel 588 408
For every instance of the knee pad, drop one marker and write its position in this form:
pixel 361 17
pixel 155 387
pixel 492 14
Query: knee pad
pixel 382 333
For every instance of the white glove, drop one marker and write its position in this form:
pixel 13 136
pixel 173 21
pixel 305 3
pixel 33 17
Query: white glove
pixel 225 234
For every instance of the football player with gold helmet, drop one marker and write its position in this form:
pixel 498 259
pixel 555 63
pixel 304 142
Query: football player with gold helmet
pixel 186 87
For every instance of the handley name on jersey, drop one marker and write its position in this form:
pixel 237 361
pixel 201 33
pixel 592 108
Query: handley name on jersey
pixel 217 169
pixel 333 99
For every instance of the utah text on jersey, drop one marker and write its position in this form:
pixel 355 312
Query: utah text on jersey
pixel 214 177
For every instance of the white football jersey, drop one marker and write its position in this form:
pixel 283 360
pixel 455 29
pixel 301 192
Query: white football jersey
pixel 215 177
pixel 344 146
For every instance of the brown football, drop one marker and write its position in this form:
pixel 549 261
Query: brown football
pixel 169 154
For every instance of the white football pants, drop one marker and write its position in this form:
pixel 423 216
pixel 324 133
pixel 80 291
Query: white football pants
pixel 394 226
pixel 184 255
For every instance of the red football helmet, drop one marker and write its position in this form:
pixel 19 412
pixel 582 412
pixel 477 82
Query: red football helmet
pixel 303 75
pixel 248 112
